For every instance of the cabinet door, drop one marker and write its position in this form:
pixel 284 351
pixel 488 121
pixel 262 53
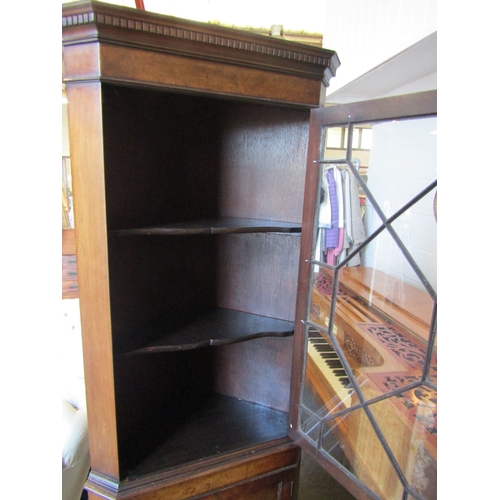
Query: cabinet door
pixel 364 388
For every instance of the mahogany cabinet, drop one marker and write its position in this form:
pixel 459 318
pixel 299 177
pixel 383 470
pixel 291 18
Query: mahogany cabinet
pixel 188 145
pixel 256 272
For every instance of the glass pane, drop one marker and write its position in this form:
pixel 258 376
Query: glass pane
pixel 380 332
pixel 366 138
pixel 371 369
pixel 334 137
pixel 409 424
pixel 402 162
pixel 417 230
pixel 367 459
pixel 355 138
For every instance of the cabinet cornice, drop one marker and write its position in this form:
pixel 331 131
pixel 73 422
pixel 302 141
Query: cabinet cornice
pixel 90 21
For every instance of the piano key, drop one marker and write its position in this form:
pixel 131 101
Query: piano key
pixel 322 353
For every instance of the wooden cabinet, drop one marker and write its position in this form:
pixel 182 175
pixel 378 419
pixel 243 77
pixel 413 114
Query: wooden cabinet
pixel 221 332
pixel 188 145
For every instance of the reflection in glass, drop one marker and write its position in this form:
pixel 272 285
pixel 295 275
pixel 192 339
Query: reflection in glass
pixel 366 138
pixel 412 439
pixel 335 137
pixel 368 460
pixel 370 389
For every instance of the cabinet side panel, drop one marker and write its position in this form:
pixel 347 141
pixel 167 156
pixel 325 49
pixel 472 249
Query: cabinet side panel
pixel 85 129
pixel 158 284
pixel 161 157
pixel 156 395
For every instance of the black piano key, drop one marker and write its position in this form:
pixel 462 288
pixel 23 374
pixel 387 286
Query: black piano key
pixel 331 358
pixel 333 364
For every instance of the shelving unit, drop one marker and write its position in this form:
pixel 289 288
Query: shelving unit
pixel 189 144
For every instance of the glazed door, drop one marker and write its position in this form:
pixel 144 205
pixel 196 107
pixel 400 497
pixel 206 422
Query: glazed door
pixel 364 393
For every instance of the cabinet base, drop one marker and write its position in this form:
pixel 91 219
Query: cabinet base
pixel 258 475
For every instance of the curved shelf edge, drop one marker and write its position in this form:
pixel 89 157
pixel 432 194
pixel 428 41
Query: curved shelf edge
pixel 223 225
pixel 217 328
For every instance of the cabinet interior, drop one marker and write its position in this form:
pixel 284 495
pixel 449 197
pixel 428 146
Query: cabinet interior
pixel 203 207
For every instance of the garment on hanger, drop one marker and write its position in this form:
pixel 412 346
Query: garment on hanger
pixel 341 228
pixel 358 233
pixel 332 233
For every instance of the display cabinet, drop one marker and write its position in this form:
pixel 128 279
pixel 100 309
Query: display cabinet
pixel 249 286
pixel 188 147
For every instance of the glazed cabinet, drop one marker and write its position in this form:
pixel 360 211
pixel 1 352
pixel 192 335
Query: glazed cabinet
pixel 188 145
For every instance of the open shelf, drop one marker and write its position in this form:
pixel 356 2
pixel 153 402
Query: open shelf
pixel 222 225
pixel 220 425
pixel 219 327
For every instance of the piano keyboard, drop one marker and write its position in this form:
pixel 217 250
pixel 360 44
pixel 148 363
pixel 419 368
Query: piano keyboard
pixel 322 353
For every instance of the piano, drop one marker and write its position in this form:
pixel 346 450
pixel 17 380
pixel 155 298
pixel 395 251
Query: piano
pixel 382 327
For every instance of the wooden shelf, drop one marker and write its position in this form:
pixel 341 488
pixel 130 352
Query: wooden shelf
pixel 222 225
pixel 219 327
pixel 220 425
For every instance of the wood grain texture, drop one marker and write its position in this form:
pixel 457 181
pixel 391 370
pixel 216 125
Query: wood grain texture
pixel 245 370
pixel 276 465
pixel 258 273
pixel 68 242
pixel 85 131
pixel 216 328
pixel 222 225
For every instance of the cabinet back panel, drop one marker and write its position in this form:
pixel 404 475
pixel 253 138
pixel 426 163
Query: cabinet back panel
pixel 245 370
pixel 257 273
pixel 174 157
pixel 263 158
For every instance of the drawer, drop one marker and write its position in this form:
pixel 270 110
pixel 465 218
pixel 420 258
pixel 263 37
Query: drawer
pixel 69 289
pixel 69 273
pixel 69 260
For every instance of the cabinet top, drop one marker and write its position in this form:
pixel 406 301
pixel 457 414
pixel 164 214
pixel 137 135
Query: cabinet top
pixel 91 21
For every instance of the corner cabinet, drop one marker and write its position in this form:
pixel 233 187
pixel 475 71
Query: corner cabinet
pixel 189 145
pixel 257 273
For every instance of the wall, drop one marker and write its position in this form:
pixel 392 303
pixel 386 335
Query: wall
pixel 366 33
pixel 403 161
